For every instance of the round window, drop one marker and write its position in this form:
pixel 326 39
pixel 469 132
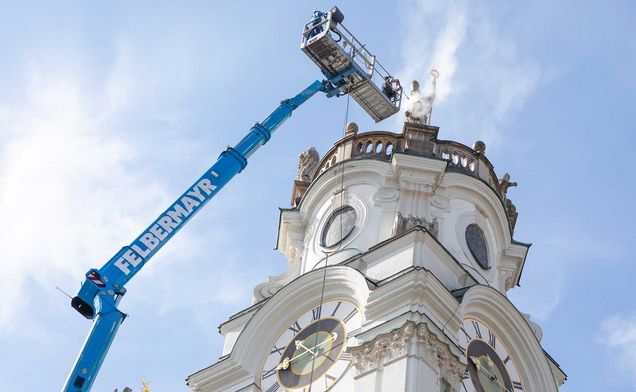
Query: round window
pixel 338 227
pixel 476 241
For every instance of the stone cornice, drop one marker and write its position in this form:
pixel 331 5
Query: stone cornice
pixel 240 318
pixel 225 372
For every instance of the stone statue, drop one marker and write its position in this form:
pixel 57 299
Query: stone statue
pixel 479 147
pixel 418 108
pixel 307 165
pixel 504 184
pixel 414 107
pixel 511 210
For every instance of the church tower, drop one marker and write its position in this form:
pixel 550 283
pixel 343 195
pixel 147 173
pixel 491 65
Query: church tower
pixel 401 252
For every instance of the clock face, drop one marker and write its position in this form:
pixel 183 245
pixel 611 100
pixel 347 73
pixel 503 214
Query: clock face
pixel 310 353
pixel 490 367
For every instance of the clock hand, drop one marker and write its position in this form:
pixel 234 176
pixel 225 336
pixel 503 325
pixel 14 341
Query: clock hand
pixel 334 336
pixel 284 364
pixel 493 377
pixel 492 364
pixel 299 343
pixel 286 360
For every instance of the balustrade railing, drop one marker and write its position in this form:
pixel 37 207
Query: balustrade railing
pixel 377 145
pixel 381 145
pixel 464 158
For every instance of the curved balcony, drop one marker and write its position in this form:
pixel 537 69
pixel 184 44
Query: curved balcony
pixel 381 145
pixel 376 145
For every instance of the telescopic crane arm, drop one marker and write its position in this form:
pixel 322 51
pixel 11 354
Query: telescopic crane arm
pixel 106 285
pixel 103 288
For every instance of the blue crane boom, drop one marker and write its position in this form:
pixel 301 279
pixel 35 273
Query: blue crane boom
pixel 103 288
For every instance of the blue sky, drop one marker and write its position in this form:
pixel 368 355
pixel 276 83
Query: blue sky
pixel 107 113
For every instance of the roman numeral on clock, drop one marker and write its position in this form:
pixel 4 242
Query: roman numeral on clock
pixel 295 327
pixel 492 340
pixel 329 380
pixel 350 315
pixel 517 385
pixel 273 388
pixel 278 350
pixel 336 309
pixel 315 313
pixel 269 373
pixel 465 378
pixel 477 330
pixel 468 338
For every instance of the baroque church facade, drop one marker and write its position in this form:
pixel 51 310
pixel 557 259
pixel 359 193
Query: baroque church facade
pixel 401 253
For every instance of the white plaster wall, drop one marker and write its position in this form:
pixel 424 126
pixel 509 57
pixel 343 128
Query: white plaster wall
pixel 394 376
pixel 406 374
pixel 346 382
pixel 391 263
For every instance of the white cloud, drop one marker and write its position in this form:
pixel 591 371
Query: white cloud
pixel 431 40
pixel 541 293
pixel 74 188
pixel 619 335
pixel 63 180
pixel 483 78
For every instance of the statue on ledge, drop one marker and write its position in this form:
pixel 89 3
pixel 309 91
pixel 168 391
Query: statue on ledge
pixel 307 165
pixel 504 184
pixel 418 108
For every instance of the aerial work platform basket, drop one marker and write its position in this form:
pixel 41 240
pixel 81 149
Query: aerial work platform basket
pixel 350 66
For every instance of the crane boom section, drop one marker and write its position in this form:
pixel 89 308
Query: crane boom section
pixel 231 162
pixel 107 283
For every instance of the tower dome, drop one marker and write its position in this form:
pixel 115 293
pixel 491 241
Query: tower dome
pixel 384 184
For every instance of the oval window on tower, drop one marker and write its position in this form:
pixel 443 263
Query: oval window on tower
pixel 476 241
pixel 338 227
